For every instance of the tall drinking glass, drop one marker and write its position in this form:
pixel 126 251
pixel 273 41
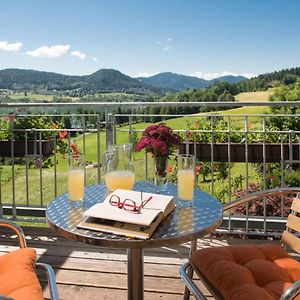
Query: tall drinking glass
pixel 76 165
pixel 186 179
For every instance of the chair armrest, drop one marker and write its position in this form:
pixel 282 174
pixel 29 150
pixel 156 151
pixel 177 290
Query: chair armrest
pixel 292 291
pixel 5 298
pixel 50 278
pixel 17 229
pixel 183 272
pixel 259 195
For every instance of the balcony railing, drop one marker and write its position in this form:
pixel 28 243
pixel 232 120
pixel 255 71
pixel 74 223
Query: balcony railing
pixel 229 164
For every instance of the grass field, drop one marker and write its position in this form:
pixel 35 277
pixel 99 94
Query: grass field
pixel 255 96
pixel 36 97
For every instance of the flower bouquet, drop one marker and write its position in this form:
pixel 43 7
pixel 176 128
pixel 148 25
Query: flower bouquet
pixel 160 141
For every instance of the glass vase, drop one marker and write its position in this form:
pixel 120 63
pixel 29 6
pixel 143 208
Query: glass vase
pixel 160 172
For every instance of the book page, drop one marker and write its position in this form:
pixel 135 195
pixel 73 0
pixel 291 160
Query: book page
pixel 157 204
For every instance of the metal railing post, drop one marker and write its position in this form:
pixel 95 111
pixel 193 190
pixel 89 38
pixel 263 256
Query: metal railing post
pixel 109 129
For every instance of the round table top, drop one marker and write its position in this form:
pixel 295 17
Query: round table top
pixel 181 225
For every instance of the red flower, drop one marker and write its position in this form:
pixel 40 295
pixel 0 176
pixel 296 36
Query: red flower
pixel 74 149
pixel 63 134
pixel 170 169
pixel 10 117
pixel 197 169
pixel 189 134
pixel 249 125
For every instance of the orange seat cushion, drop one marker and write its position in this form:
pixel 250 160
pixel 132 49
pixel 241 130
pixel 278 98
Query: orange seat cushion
pixel 247 272
pixel 18 279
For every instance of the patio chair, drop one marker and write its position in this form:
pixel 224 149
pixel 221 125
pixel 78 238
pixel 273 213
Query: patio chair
pixel 246 272
pixel 18 278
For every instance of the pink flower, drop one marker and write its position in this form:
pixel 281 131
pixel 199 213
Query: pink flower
pixel 144 142
pixel 158 140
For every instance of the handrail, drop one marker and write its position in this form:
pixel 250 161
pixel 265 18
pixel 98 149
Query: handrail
pixel 150 104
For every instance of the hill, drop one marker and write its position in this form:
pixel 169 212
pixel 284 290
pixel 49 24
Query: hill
pixel 174 82
pixel 269 80
pixel 169 81
pixel 229 79
pixel 102 80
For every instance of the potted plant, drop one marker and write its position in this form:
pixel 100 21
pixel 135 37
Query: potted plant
pixel 21 136
pixel 215 146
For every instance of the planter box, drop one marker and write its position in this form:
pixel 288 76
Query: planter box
pixel 238 152
pixel 33 148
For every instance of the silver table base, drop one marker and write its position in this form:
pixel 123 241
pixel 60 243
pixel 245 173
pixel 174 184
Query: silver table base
pixel 135 271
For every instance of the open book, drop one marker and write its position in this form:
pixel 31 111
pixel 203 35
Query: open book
pixel 128 221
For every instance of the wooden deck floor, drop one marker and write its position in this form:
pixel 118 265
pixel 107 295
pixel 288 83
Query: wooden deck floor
pixel 89 272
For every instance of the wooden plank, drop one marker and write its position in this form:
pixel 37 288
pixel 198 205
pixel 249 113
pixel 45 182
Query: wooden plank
pixel 296 205
pixel 291 241
pixel 73 292
pixel 56 251
pixel 69 245
pixel 164 270
pixel 116 281
pixel 293 222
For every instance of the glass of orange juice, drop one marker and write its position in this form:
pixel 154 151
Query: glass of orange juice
pixel 186 179
pixel 118 167
pixel 76 164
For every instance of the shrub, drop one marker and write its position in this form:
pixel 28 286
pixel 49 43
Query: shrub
pixel 256 208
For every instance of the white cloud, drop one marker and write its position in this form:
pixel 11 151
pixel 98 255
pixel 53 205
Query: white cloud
pixel 210 76
pixel 145 74
pixel 78 54
pixel 94 59
pixel 166 48
pixel 52 51
pixel 166 45
pixel 249 75
pixel 6 46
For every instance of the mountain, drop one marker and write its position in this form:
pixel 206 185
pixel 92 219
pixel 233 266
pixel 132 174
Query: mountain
pixel 229 79
pixel 175 82
pixel 102 80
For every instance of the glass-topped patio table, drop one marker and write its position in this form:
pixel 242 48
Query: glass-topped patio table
pixel 182 225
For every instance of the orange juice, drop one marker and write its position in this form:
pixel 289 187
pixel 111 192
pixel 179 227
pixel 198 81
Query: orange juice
pixel 119 180
pixel 185 183
pixel 76 184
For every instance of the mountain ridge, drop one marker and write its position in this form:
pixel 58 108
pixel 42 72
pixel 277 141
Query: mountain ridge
pixel 101 80
pixel 169 81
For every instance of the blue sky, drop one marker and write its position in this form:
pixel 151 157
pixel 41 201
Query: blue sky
pixel 192 37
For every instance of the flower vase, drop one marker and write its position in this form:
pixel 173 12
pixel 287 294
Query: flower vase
pixel 160 172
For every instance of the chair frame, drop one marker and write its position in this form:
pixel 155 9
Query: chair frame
pixel 187 269
pixel 22 244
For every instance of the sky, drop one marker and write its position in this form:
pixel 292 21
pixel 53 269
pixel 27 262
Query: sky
pixel 203 38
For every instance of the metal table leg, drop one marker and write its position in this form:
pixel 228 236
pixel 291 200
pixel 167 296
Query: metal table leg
pixel 186 295
pixel 135 274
